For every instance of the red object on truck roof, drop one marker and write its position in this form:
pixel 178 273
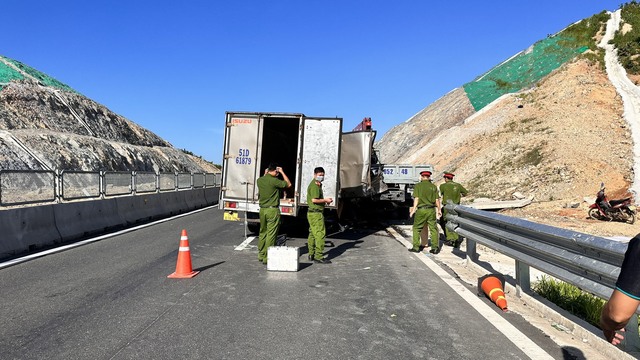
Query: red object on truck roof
pixel 365 125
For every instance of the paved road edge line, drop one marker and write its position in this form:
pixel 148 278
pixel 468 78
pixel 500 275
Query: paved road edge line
pixel 530 348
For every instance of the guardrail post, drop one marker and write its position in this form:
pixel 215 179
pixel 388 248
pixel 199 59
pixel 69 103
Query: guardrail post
pixel 57 185
pixel 134 182
pixel 523 278
pixel 472 253
pixel 101 184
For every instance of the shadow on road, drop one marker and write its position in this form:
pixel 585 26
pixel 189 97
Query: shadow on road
pixel 203 268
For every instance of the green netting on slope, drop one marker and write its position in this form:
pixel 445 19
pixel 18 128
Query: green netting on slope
pixel 7 73
pixel 522 71
pixel 43 78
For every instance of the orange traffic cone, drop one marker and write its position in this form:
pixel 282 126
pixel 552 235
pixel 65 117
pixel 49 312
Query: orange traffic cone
pixel 492 285
pixel 183 267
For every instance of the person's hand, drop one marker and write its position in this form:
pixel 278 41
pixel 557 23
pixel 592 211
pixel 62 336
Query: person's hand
pixel 614 337
pixel 279 169
pixel 328 200
pixel 412 211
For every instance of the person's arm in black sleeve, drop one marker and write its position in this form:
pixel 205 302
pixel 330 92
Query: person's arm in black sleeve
pixel 625 298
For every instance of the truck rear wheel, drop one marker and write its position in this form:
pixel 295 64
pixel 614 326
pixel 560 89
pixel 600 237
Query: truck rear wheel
pixel 253 228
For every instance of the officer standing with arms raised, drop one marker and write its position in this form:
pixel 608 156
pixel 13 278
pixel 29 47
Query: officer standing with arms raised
pixel 315 216
pixel 426 207
pixel 451 192
pixel 269 198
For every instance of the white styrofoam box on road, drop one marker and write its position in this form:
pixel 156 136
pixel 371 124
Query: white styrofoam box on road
pixel 283 258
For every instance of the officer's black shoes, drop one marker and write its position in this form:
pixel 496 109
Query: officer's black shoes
pixel 449 243
pixel 322 261
pixel 413 250
pixel 310 257
pixel 421 248
pixel 456 245
pixel 435 251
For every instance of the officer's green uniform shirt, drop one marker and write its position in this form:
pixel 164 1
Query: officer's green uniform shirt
pixel 452 191
pixel 314 191
pixel 269 190
pixel 426 192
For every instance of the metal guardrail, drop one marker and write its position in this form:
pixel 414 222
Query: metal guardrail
pixel 589 262
pixel 19 187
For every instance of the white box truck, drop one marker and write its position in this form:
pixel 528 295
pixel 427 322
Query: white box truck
pixel 296 142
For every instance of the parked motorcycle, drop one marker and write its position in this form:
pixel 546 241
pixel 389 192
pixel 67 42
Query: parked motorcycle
pixel 612 210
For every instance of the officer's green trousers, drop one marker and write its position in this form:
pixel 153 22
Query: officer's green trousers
pixel 421 217
pixel 317 233
pixel 451 235
pixel 269 226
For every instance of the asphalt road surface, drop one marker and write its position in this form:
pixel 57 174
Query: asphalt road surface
pixel 112 299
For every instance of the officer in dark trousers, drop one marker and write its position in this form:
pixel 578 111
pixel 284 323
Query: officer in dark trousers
pixel 269 198
pixel 451 192
pixel 426 207
pixel 315 216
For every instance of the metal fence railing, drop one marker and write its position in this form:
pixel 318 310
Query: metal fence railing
pixel 18 187
pixel 80 184
pixel 589 262
pixel 26 187
pixel 117 183
pixel 145 182
pixel 184 181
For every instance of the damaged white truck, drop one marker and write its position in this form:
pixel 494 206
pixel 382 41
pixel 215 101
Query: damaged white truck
pixel 299 143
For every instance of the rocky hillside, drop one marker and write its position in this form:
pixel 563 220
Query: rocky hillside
pixel 44 124
pixel 548 128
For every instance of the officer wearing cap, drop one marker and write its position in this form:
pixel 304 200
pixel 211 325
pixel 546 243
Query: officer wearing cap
pixel 426 207
pixel 451 192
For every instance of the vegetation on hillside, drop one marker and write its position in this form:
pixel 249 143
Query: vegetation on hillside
pixel 627 40
pixel 583 34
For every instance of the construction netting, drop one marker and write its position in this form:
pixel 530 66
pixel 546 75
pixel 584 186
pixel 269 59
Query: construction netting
pixel 12 73
pixel 522 71
pixel 7 74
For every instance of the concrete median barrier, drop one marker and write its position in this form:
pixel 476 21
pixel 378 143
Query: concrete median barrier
pixel 195 199
pixel 138 209
pixel 27 229
pixel 173 202
pixel 31 228
pixel 81 219
pixel 212 195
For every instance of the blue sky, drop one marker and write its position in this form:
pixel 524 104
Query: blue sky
pixel 175 67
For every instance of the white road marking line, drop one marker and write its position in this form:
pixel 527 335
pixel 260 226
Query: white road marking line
pixel 245 243
pixel 531 349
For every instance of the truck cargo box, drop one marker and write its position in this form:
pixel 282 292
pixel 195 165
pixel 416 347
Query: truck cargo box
pixel 296 142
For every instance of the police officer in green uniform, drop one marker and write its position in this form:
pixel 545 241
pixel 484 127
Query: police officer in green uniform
pixel 451 193
pixel 269 198
pixel 426 207
pixel 315 216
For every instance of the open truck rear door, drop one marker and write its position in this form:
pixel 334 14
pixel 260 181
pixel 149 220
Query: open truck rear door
pixel 321 147
pixel 240 161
